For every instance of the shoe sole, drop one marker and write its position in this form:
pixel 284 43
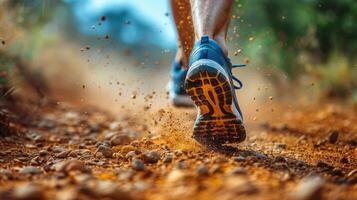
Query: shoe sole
pixel 210 89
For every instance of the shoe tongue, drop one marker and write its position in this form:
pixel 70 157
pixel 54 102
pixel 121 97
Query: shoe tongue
pixel 204 39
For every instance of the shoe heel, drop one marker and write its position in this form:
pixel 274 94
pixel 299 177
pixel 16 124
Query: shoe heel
pixel 210 90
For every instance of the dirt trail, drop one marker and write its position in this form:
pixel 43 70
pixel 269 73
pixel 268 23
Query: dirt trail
pixel 84 153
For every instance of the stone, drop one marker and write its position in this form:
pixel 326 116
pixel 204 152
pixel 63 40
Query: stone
pixel 309 188
pixel 176 176
pixel 151 156
pixel 239 158
pixel 106 151
pixel 63 154
pixel 138 165
pixel 237 185
pixel 202 170
pixel 168 157
pixel 72 165
pixel 130 155
pixel 238 171
pixel 333 137
pixel 28 191
pixel 43 152
pixel 30 170
pixel 281 145
pixel 120 140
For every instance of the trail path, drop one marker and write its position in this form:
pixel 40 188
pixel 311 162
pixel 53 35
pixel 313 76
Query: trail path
pixel 68 152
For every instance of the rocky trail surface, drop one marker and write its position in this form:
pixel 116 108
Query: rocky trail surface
pixel 69 153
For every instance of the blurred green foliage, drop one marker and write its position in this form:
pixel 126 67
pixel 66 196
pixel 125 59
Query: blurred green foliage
pixel 303 36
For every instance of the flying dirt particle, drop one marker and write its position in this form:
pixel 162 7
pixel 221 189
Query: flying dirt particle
pixel 127 22
pixel 3 42
pixel 312 84
pixel 254 98
pixel 106 37
pixel 133 96
pixel 251 38
pixel 93 27
pixel 246 61
pixel 103 18
pixel 100 23
pixel 270 98
pixel 87 47
pixel 167 14
pixel 254 119
pixel 257 110
pixel 272 110
pixel 83 86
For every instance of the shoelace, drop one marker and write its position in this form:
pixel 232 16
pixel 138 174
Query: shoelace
pixel 236 79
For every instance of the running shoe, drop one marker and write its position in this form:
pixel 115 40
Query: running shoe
pixel 209 82
pixel 177 93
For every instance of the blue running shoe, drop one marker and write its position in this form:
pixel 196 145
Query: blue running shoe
pixel 209 82
pixel 177 93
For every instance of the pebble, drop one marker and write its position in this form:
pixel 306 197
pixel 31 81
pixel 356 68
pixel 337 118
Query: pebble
pixel 333 137
pixel 151 156
pixel 110 190
pixel 28 191
pixel 71 165
pixel 310 188
pixel 236 185
pixel 168 157
pixel 130 155
pixel 281 145
pixel 176 176
pixel 120 140
pixel 138 165
pixel 30 170
pixel 63 154
pixel 43 152
pixel 202 170
pixel 238 171
pixel 106 151
pixel 239 158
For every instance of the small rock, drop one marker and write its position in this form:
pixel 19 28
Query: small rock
pixel 43 152
pixel 176 176
pixel 181 164
pixel 202 170
pixel 281 145
pixel 30 170
pixel 130 155
pixel 333 137
pixel 28 191
pixel 151 157
pixel 309 188
pixel 106 151
pixel 120 140
pixel 70 166
pixel 236 185
pixel 168 158
pixel 238 171
pixel 138 165
pixel 239 158
pixel 63 154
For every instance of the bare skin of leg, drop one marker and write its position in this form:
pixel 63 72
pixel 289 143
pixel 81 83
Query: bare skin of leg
pixel 181 10
pixel 211 17
pixel 195 18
